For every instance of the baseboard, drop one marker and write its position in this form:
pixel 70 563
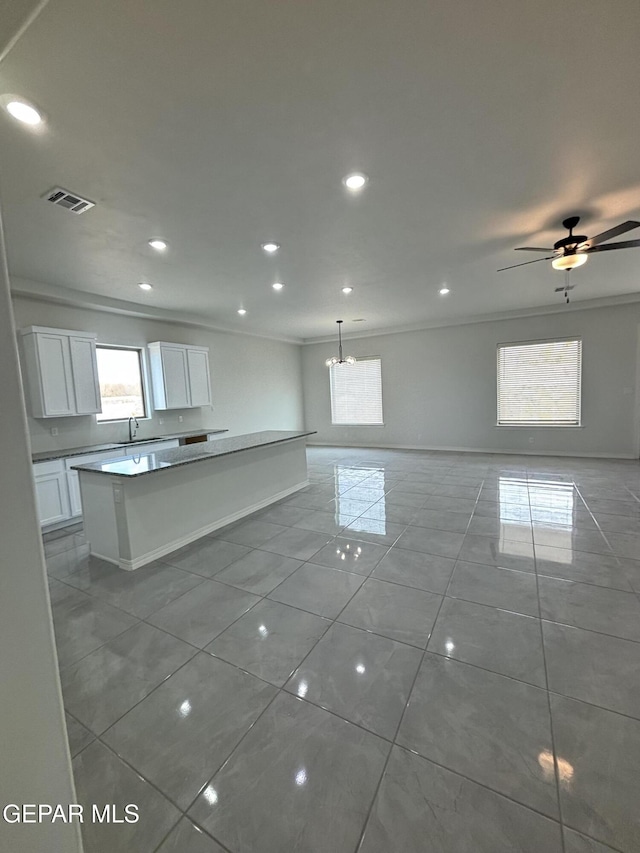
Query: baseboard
pixel 106 559
pixel 163 550
pixel 483 450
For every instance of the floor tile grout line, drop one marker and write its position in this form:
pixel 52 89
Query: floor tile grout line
pixel 175 826
pixel 67 666
pixel 196 650
pixel 310 560
pixel 556 771
pixel 369 575
pixel 402 716
pixel 483 785
pixel 359 628
pixel 99 737
pixel 100 598
pixel 229 757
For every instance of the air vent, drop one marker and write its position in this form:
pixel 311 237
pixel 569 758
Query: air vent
pixel 70 201
pixel 565 287
pixel 358 320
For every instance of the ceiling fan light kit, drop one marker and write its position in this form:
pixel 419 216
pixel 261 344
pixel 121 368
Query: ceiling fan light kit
pixel 574 250
pixel 569 262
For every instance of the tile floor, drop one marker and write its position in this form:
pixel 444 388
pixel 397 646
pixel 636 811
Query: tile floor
pixel 419 652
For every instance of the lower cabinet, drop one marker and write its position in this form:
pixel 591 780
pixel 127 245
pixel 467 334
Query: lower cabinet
pixel 58 486
pixel 52 492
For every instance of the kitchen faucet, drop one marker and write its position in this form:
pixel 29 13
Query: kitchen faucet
pixel 133 431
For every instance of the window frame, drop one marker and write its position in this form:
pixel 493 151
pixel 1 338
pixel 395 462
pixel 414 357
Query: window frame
pixel 356 424
pixel 144 382
pixel 538 424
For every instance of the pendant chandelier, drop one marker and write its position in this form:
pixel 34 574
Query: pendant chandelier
pixel 340 360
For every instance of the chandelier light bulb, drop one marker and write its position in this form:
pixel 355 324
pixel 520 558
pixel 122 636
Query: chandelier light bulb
pixel 331 362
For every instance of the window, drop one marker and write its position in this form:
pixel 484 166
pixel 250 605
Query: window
pixel 356 392
pixel 121 388
pixel 539 383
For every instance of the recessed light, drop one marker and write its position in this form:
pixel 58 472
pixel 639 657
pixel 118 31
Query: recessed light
pixel 157 244
pixel 24 112
pixel 347 290
pixel 144 285
pixel 270 248
pixel 355 182
pixel 242 311
pixel 277 285
pixel 443 290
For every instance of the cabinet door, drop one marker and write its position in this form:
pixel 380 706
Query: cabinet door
pixel 75 501
pixel 176 377
pixel 52 497
pixel 54 366
pixel 199 385
pixel 85 376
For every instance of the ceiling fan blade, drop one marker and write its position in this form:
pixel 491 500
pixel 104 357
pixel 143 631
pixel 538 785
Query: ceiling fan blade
pixel 626 244
pixel 532 249
pixel 613 232
pixel 526 262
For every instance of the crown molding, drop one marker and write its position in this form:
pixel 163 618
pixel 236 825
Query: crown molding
pixel 30 289
pixel 585 305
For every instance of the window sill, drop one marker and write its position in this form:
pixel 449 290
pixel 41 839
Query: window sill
pixel 357 425
pixel 540 426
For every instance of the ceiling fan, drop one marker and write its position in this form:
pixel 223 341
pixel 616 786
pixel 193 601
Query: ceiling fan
pixel 573 251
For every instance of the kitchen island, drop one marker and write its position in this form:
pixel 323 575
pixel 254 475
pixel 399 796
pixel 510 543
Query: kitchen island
pixel 139 508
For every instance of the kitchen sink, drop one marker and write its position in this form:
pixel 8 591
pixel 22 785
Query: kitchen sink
pixel 143 440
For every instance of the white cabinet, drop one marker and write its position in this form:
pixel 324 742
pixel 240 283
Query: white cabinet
pixel 199 384
pixel 52 492
pixel 73 483
pixel 58 486
pixel 84 367
pixel 179 375
pixel 61 372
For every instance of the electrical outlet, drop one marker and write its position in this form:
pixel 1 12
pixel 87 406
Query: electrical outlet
pixel 180 418
pixel 54 430
pixel 531 439
pixel 161 421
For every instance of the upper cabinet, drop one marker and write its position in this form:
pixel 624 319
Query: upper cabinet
pixel 61 372
pixel 179 375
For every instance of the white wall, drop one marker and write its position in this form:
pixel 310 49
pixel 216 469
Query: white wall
pixel 256 383
pixel 34 764
pixel 439 386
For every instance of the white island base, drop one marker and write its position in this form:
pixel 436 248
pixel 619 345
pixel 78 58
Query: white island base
pixel 134 519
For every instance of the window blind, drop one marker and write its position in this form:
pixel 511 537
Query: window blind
pixel 539 384
pixel 356 392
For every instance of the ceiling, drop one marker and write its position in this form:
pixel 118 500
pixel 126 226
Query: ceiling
pixel 220 125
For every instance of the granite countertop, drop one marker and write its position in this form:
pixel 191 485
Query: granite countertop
pixel 147 463
pixel 121 448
